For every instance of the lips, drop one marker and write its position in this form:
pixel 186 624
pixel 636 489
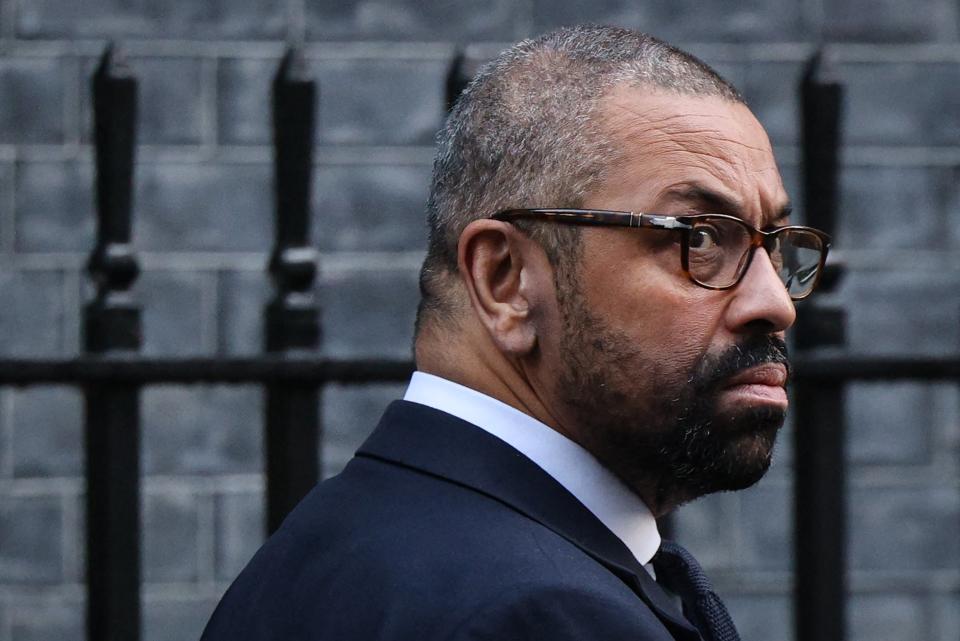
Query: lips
pixel 761 384
pixel 769 374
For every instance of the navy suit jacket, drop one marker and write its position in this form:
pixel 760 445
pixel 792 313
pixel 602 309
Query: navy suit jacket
pixel 438 530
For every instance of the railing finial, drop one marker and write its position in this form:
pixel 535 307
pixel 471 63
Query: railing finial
pixel 293 317
pixel 112 319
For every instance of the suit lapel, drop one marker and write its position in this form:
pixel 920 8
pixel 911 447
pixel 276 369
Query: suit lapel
pixel 437 443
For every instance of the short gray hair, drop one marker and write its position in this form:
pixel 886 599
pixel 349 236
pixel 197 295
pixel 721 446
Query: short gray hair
pixel 525 133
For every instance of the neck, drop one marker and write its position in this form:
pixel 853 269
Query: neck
pixel 467 357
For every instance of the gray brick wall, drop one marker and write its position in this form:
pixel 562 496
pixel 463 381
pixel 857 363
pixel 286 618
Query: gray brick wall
pixel 203 228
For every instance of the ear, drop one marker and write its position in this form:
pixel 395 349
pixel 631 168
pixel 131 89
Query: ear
pixel 502 270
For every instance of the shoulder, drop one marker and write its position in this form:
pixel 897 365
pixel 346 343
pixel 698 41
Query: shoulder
pixel 560 612
pixel 386 552
pixel 453 563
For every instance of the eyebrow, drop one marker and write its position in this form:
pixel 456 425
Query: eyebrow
pixel 721 202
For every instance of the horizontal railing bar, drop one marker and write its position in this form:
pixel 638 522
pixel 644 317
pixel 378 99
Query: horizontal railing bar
pixel 875 368
pixel 266 369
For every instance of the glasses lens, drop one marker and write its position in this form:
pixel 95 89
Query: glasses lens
pixel 796 255
pixel 718 251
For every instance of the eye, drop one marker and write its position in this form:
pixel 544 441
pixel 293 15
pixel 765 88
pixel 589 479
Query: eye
pixel 704 236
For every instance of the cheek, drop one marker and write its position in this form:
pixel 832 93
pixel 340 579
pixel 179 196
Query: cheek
pixel 649 299
pixel 673 321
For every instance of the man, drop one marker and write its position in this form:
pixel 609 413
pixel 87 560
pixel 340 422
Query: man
pixel 576 378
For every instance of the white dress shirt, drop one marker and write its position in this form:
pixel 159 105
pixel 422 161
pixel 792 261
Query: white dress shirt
pixel 573 467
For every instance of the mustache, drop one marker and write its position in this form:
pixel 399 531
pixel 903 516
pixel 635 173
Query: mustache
pixel 753 351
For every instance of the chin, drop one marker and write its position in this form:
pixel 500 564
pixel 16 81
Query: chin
pixel 746 468
pixel 731 454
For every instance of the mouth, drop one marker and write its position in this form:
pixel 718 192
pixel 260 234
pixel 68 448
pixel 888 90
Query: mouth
pixel 763 384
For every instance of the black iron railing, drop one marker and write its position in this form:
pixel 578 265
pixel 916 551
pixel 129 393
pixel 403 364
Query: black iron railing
pixel 820 471
pixel 112 372
pixel 112 325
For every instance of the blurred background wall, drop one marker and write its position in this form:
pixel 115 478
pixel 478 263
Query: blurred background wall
pixel 203 225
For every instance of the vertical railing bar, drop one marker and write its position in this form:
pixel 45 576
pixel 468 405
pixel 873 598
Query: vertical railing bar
pixel 292 422
pixel 457 78
pixel 819 454
pixel 112 324
pixel 463 67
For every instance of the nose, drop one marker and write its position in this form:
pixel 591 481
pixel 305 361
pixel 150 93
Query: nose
pixel 761 302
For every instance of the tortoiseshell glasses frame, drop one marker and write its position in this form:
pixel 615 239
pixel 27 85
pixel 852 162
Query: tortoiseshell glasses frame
pixel 715 249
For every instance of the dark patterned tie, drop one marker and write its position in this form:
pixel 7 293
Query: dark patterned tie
pixel 680 573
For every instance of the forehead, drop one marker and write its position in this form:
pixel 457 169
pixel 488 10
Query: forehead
pixel 665 144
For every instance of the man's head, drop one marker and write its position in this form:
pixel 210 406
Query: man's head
pixel 597 331
pixel 527 131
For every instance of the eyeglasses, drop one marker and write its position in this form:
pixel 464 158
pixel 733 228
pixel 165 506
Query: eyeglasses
pixel 715 249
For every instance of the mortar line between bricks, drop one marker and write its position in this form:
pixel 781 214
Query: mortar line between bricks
pixel 196 485
pixel 895 54
pixel 37 487
pixel 863 155
pixel 249 482
pixel 41 261
pixel 921 260
pixel 904 477
pixel 337 262
pixel 326 155
pixel 19 592
pixel 852 155
pixel 73 485
pixel 918 581
pixel 253 49
pixel 754 582
pixel 893 156
pixel 177 591
pixel 786 51
pixel 882 259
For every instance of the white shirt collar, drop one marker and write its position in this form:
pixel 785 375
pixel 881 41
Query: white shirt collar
pixel 573 467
